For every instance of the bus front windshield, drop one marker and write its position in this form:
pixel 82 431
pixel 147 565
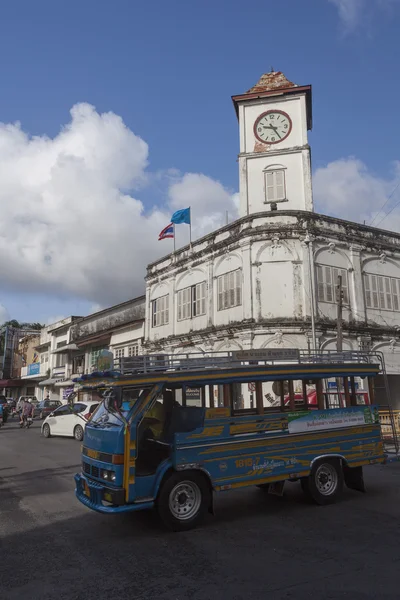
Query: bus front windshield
pixel 109 416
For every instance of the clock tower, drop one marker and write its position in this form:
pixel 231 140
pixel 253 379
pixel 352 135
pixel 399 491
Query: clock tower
pixel 274 160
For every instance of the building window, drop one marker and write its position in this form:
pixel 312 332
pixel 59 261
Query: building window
pixel 275 188
pixel 119 353
pixel 160 311
pixel 61 360
pixel 230 289
pixel 133 350
pixel 382 292
pixel 327 280
pixel 192 301
pixel 94 356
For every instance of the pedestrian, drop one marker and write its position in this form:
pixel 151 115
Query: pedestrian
pixel 27 410
pixel 20 408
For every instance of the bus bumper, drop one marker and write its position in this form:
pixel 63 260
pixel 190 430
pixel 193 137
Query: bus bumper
pixel 91 494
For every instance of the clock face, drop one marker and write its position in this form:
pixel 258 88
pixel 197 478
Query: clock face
pixel 272 127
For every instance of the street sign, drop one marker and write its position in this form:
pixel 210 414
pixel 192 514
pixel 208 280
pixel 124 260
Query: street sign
pixel 252 387
pixel 268 354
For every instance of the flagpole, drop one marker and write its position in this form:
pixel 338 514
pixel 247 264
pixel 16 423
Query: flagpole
pixel 190 226
pixel 174 239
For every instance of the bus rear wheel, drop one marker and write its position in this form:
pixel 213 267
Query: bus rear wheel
pixel 324 485
pixel 183 500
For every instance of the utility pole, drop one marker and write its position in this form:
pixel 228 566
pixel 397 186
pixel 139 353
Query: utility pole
pixel 339 297
pixel 308 243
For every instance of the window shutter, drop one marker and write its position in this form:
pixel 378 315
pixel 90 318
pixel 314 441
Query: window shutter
pixel 388 293
pixel 395 295
pixel 200 292
pixel 166 311
pixel 153 304
pixel 179 312
pixel 374 286
pixel 345 286
pixel 270 187
pixel 381 288
pixel 320 283
pixel 220 293
pixel 238 287
pixel 280 185
pixel 231 301
pixel 328 284
pixel 367 289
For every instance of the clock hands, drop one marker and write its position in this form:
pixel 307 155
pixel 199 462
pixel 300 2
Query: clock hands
pixel 276 131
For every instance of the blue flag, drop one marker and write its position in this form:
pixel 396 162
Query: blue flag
pixel 181 216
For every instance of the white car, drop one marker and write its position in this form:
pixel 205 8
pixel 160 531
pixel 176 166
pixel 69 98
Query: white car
pixel 69 420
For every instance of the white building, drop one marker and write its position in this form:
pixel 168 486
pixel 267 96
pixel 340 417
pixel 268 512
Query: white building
pixel 248 285
pixel 119 329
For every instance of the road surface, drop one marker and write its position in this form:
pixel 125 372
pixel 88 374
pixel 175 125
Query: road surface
pixel 256 547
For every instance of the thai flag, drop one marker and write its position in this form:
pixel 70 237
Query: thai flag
pixel 167 232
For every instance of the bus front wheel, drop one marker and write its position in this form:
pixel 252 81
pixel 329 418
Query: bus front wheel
pixel 324 485
pixel 184 500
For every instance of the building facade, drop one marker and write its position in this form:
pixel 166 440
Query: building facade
pixel 257 282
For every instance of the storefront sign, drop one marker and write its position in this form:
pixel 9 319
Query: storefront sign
pixel 66 392
pixel 34 369
pixel 336 418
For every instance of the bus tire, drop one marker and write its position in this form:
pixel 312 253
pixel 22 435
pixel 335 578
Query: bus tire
pixel 183 500
pixel 324 485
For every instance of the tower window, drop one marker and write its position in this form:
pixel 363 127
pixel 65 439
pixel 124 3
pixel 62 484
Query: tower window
pixel 275 188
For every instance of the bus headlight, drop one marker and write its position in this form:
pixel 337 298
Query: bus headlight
pixel 108 475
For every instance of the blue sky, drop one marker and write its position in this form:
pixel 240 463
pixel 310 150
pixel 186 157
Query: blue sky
pixel 168 69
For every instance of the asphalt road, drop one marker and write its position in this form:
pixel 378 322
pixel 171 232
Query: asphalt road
pixel 255 547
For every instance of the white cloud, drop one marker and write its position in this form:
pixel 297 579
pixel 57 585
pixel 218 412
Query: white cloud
pixel 347 189
pixel 349 11
pixel 209 200
pixel 352 13
pixel 69 225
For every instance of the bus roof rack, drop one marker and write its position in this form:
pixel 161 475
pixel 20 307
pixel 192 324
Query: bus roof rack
pixel 195 361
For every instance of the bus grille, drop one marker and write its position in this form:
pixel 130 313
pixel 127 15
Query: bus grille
pixel 90 469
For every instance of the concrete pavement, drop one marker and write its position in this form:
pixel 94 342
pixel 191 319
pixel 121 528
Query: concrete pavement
pixel 256 545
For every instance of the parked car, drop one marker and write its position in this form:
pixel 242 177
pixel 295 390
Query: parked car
pixel 69 420
pixel 44 408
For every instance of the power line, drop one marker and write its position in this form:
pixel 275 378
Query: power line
pixel 390 211
pixel 384 217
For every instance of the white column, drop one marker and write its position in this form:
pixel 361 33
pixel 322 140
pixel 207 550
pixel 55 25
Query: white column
pixel 357 299
pixel 247 291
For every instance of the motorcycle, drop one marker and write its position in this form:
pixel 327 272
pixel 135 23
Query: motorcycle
pixel 26 422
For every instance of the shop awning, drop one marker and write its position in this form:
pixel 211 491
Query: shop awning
pixel 66 348
pixel 50 381
pixel 67 383
pixel 5 383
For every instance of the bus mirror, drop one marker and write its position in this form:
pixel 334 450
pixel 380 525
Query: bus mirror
pixel 113 399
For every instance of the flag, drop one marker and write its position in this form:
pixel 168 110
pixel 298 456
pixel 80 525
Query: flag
pixel 167 232
pixel 181 216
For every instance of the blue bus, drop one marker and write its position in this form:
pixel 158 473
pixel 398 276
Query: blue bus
pixel 173 430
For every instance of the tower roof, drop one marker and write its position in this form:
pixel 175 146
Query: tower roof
pixel 275 80
pixel 275 83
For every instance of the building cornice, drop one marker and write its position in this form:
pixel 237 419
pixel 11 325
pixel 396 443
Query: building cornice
pixel 258 226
